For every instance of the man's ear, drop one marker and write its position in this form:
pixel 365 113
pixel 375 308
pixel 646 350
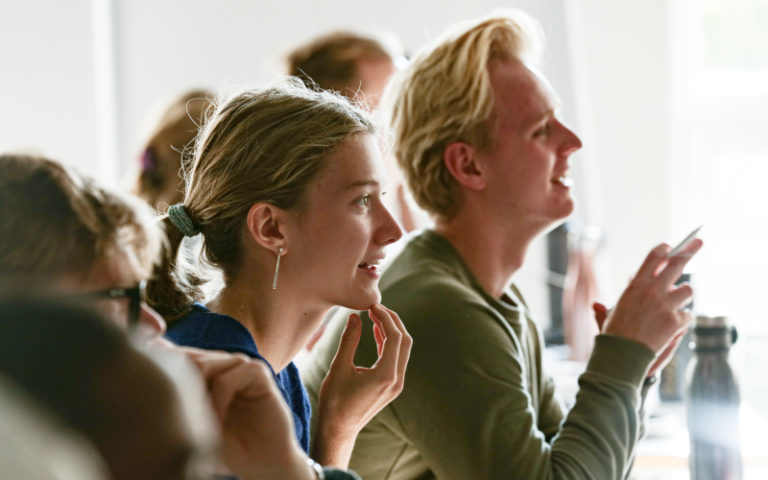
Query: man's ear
pixel 264 226
pixel 461 160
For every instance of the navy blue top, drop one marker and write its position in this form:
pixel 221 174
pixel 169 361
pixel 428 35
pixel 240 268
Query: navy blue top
pixel 204 329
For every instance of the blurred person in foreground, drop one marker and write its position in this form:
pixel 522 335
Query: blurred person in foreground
pixel 80 369
pixel 483 149
pixel 172 131
pixel 35 445
pixel 63 233
pixel 358 66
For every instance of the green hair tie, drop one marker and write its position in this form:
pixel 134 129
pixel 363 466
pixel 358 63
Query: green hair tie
pixel 179 218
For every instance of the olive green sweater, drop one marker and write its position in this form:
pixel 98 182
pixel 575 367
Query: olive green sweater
pixel 476 403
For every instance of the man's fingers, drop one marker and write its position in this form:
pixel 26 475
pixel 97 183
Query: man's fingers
pixel 676 264
pixel 680 296
pixel 653 261
pixel 349 340
pixel 684 319
pixel 679 337
pixel 601 314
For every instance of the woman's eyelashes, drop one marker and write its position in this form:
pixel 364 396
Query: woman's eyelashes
pixel 364 201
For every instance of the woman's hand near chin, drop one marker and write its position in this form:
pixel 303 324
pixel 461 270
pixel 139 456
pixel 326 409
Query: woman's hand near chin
pixel 351 396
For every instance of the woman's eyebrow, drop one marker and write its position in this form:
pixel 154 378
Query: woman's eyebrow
pixel 361 183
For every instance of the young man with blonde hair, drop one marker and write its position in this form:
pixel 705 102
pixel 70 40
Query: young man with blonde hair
pixel 482 148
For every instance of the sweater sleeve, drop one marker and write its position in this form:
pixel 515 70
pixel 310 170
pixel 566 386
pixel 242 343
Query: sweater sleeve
pixel 550 410
pixel 465 404
pixel 643 424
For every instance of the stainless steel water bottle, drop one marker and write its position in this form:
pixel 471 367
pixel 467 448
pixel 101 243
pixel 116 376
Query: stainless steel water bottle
pixel 713 403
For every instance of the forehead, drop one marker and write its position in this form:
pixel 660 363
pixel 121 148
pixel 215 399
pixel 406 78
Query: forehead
pixel 522 94
pixel 356 159
pixel 113 270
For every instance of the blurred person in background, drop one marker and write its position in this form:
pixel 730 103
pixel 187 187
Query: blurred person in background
pixel 63 233
pixel 358 66
pixel 172 131
pixel 355 65
pixel 479 139
pixel 285 190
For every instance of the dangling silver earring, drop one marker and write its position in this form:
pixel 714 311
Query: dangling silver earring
pixel 277 267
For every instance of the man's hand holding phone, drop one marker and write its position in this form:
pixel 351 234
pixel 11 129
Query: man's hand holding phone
pixel 648 311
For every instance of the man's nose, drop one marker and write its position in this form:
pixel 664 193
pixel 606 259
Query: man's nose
pixel 571 142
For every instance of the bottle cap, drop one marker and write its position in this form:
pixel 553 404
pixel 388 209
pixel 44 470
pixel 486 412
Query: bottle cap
pixel 704 321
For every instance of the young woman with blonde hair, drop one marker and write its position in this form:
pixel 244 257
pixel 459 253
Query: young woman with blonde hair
pixel 285 188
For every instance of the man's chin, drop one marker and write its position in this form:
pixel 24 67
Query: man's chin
pixel 566 209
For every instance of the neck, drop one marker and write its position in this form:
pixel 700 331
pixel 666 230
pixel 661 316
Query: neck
pixel 493 249
pixel 279 321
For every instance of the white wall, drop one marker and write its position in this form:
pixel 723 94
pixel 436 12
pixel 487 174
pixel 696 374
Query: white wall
pixel 613 52
pixel 46 76
pixel 628 45
pixel 164 47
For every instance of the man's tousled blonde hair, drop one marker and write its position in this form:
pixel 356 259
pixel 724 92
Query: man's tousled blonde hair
pixel 445 96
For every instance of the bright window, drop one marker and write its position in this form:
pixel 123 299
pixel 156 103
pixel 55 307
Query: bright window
pixel 720 172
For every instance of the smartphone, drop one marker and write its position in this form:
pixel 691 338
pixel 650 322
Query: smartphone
pixel 681 246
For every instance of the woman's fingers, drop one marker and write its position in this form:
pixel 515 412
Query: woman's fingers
pixel 405 346
pixel 379 337
pixel 349 340
pixel 390 349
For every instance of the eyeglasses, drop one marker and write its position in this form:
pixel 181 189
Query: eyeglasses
pixel 135 296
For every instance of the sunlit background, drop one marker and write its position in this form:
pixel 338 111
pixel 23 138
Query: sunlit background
pixel 669 96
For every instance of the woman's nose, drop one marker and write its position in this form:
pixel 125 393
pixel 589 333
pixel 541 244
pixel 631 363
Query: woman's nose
pixel 389 231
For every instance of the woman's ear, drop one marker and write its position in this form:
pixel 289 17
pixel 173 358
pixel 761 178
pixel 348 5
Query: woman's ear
pixel 264 226
pixel 461 160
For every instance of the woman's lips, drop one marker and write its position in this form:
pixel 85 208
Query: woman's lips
pixel 371 269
